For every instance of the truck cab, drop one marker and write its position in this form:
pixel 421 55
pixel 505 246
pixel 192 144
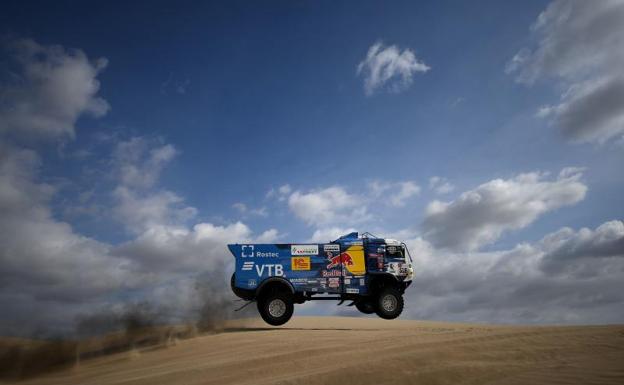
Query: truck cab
pixel 372 273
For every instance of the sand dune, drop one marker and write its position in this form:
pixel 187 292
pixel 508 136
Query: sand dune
pixel 335 350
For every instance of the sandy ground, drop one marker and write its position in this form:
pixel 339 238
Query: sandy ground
pixel 335 350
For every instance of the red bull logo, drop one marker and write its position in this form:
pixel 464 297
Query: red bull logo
pixel 342 259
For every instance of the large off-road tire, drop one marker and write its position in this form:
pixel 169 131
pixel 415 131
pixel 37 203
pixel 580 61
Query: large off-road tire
pixel 389 303
pixel 366 307
pixel 232 282
pixel 276 308
pixel 247 295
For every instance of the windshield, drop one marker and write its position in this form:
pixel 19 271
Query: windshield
pixel 394 253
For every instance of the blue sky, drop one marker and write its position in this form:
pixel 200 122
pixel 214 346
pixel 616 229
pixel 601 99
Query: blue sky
pixel 243 98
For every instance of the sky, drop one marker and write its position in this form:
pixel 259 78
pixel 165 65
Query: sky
pixel 137 140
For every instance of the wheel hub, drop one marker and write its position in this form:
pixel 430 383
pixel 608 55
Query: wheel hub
pixel 389 303
pixel 277 308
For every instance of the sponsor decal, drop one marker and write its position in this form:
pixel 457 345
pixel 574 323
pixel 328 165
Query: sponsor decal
pixel 298 280
pixel 354 243
pixel 352 291
pixel 381 250
pixel 251 283
pixel 247 251
pixel 397 268
pixel 362 282
pixel 300 263
pixel 331 273
pixel 333 247
pixel 247 266
pixel 391 249
pixel 342 259
pixel 323 282
pixel 267 254
pixel 351 261
pixel 304 249
pixel 272 270
pixel 347 281
pixel 314 289
pixel 334 282
pixel 374 255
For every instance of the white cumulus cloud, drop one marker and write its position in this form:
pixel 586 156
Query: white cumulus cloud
pixel 479 217
pixel 585 253
pixel 567 277
pixel 328 206
pixel 50 266
pixel 580 43
pixel 138 161
pixel 440 185
pixel 403 192
pixel 51 89
pixel 390 68
pixel 328 234
pixel 395 194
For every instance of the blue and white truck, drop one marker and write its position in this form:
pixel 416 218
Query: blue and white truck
pixel 371 272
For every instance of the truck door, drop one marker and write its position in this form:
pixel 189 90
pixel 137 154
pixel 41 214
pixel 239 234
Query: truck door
pixel 375 254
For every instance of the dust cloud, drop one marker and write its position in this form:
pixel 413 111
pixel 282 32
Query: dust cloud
pixel 128 327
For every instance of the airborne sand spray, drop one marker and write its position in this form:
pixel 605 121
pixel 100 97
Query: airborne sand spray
pixel 207 306
pixel 129 326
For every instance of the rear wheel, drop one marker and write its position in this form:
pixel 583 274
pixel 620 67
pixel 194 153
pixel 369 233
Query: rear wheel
pixel 389 304
pixel 276 308
pixel 233 282
pixel 245 294
pixel 366 307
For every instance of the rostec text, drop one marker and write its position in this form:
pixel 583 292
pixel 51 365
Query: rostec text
pixel 266 254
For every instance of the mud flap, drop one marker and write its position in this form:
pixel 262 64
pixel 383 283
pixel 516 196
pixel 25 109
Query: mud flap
pixel 245 305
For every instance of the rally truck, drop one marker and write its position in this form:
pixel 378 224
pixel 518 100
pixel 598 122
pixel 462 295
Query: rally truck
pixel 372 273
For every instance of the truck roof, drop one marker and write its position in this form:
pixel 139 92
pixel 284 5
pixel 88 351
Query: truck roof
pixel 354 236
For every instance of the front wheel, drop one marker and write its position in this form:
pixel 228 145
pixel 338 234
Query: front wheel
pixel 276 308
pixel 389 304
